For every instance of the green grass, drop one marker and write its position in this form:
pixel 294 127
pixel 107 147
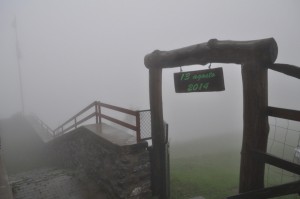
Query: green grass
pixel 207 167
pixel 215 176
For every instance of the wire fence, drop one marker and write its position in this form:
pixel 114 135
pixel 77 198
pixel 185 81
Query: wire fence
pixel 283 142
pixel 145 124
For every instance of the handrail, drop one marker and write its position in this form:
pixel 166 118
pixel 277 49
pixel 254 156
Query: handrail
pixel 116 108
pixel 76 115
pixel 135 128
pixel 63 128
pixel 43 124
pixel 127 125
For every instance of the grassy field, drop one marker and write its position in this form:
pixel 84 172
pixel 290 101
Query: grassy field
pixel 207 167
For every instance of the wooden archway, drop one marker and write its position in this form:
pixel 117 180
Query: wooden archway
pixel 254 58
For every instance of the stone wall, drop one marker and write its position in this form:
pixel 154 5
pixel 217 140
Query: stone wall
pixel 5 189
pixel 22 148
pixel 122 171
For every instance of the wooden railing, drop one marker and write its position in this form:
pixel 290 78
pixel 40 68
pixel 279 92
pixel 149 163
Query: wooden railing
pixel 96 108
pixel 63 128
pixel 45 126
pixel 266 158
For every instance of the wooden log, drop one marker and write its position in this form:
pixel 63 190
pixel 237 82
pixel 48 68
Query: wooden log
pixel 215 51
pixel 159 177
pixel 270 192
pixel 256 126
pixel 287 69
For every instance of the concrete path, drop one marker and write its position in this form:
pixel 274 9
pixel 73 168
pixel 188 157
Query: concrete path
pixel 49 183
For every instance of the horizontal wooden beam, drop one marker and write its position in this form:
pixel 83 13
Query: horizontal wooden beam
pixel 278 162
pixel 75 116
pixel 284 113
pixel 287 69
pixel 116 108
pixel 270 192
pixel 132 127
pixel 215 51
pixel 85 119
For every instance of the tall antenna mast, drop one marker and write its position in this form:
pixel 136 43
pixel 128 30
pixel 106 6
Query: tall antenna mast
pixel 18 54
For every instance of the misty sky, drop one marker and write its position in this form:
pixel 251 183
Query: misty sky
pixel 76 51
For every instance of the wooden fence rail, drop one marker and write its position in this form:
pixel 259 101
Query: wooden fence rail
pixel 293 71
pixel 73 122
pixel 278 162
pixel 284 113
pixel 270 192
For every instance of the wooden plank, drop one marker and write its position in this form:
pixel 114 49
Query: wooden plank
pixel 199 81
pixel 287 69
pixel 119 122
pixel 278 162
pixel 284 113
pixel 270 192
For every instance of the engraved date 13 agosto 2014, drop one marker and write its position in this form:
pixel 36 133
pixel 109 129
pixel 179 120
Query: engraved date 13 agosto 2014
pixel 197 86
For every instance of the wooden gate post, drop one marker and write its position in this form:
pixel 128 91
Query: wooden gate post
pixel 256 126
pixel 159 175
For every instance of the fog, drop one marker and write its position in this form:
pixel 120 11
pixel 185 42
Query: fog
pixel 74 52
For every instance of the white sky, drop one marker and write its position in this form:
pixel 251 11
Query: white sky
pixel 78 51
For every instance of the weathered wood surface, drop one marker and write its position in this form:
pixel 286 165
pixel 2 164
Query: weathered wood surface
pixel 254 57
pixel 284 113
pixel 278 162
pixel 256 126
pixel 270 192
pixel 159 162
pixel 293 71
pixel 215 51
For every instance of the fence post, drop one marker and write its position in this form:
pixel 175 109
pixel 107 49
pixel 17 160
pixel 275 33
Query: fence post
pixel 159 176
pixel 97 112
pixel 256 125
pixel 138 126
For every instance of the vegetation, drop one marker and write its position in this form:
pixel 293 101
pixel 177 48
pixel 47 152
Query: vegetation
pixel 207 167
